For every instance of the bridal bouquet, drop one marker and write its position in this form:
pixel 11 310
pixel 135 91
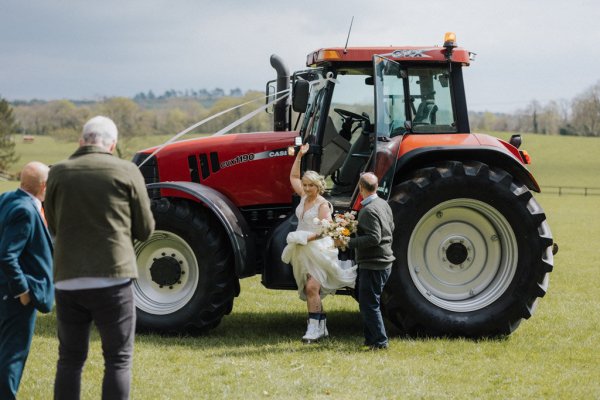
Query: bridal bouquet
pixel 342 226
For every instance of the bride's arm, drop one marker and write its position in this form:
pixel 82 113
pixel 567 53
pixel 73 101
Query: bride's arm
pixel 295 178
pixel 324 213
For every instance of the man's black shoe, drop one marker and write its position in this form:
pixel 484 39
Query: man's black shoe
pixel 383 346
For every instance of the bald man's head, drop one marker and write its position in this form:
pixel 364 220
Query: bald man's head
pixel 33 179
pixel 369 182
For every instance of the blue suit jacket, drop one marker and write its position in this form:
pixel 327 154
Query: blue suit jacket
pixel 25 253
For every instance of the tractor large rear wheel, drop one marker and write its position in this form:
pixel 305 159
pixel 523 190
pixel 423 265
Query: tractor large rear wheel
pixel 473 252
pixel 186 280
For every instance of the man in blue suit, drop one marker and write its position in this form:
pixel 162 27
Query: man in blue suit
pixel 25 272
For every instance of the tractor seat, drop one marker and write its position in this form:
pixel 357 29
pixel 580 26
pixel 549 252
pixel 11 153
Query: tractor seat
pixel 426 113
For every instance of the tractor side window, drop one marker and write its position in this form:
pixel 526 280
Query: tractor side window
pixel 352 93
pixel 430 100
pixel 421 95
pixel 347 143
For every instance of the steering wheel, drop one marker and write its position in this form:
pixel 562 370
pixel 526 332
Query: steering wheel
pixel 351 115
pixel 348 120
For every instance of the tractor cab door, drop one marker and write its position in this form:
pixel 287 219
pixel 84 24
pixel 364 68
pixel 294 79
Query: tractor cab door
pixel 392 112
pixel 409 99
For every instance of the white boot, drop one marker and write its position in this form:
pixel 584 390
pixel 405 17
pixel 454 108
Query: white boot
pixel 323 327
pixel 313 331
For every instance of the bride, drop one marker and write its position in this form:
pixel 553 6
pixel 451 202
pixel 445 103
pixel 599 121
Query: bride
pixel 314 258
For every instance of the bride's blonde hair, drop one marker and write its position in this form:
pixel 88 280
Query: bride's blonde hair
pixel 316 179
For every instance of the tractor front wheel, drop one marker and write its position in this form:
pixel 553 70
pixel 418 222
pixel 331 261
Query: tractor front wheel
pixel 186 280
pixel 473 252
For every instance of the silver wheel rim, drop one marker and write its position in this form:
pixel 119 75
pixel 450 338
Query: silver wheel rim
pixel 149 295
pixel 462 255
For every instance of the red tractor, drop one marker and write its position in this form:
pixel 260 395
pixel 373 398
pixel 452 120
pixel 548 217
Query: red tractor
pixel 473 248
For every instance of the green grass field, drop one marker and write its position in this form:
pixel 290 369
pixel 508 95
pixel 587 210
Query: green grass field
pixel 256 353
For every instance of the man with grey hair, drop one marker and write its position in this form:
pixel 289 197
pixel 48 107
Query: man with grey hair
pixel 374 256
pixel 99 131
pixel 96 205
pixel 25 272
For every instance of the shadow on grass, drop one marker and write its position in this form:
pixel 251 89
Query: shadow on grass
pixel 250 332
pixel 242 328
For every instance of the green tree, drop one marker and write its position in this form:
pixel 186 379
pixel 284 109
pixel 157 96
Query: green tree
pixel 60 119
pixel 8 128
pixel 586 112
pixel 131 120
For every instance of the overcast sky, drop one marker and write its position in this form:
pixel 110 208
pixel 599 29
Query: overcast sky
pixel 51 49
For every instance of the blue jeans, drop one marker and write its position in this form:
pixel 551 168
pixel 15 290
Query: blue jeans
pixel 370 287
pixel 112 311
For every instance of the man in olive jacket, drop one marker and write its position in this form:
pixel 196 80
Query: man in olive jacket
pixel 96 205
pixel 374 256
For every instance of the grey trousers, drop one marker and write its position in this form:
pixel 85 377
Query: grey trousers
pixel 113 312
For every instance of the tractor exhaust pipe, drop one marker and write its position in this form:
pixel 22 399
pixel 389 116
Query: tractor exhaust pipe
pixel 283 83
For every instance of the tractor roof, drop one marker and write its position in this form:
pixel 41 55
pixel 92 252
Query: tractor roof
pixel 398 53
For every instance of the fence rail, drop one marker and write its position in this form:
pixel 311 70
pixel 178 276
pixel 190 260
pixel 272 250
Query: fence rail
pixel 571 190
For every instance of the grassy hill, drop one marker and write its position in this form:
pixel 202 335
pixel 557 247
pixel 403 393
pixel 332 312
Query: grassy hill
pixel 563 160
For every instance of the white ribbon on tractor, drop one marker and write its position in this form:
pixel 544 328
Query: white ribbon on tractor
pixel 228 127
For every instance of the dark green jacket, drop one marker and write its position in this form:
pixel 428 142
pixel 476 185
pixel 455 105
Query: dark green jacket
pixel 96 204
pixel 373 242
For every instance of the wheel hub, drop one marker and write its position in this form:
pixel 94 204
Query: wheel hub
pixel 166 271
pixel 456 253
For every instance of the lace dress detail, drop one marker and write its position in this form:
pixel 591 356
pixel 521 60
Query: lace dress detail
pixel 317 258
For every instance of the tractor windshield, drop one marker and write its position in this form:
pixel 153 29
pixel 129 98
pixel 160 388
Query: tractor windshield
pixel 420 95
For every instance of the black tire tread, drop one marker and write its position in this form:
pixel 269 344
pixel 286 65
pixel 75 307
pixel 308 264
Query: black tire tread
pixel 405 199
pixel 221 284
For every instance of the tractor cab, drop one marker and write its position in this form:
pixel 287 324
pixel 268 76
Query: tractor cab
pixel 358 104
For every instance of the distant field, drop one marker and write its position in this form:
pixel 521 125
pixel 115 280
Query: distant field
pixel 50 151
pixel 563 160
pixel 557 160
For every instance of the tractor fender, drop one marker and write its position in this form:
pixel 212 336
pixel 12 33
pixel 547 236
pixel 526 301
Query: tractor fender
pixel 489 155
pixel 236 227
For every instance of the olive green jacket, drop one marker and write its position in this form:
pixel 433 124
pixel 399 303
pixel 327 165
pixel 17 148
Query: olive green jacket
pixel 373 242
pixel 96 205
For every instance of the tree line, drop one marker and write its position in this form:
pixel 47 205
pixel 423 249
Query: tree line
pixel 578 117
pixel 164 115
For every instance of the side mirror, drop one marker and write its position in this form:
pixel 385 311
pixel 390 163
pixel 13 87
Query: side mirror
pixel 516 140
pixel 444 80
pixel 300 96
pixel 270 93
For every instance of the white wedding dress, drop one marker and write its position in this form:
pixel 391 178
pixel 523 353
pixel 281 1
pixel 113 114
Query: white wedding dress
pixel 319 258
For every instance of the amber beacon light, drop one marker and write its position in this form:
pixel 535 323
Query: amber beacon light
pixel 450 40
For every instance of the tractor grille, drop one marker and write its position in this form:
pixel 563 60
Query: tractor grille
pixel 149 171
